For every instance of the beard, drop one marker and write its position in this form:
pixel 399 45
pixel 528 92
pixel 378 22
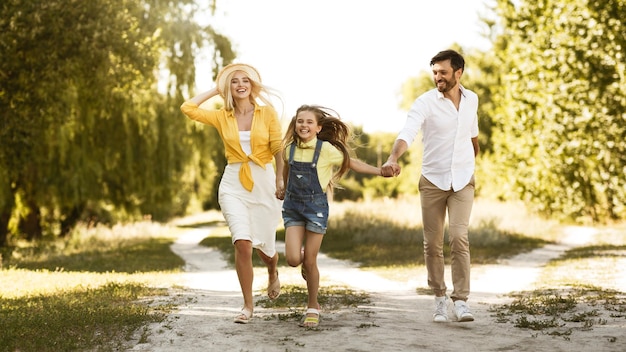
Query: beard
pixel 445 85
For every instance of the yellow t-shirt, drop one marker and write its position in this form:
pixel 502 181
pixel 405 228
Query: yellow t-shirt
pixel 330 157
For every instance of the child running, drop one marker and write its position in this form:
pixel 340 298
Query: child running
pixel 316 143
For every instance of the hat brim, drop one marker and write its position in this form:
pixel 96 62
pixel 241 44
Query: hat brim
pixel 222 77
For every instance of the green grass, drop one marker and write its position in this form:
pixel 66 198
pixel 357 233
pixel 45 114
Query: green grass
pixel 91 291
pixel 77 318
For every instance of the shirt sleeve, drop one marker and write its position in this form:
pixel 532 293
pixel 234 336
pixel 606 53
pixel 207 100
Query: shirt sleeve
pixel 331 154
pixel 194 112
pixel 329 157
pixel 276 134
pixel 414 121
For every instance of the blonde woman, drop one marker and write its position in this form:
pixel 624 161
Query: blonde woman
pixel 250 130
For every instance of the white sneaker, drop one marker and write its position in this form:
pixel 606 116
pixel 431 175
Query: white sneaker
pixel 441 310
pixel 462 312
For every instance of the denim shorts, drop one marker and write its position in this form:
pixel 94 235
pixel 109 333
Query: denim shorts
pixel 310 211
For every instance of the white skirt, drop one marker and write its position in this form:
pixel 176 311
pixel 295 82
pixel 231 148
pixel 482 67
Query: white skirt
pixel 252 216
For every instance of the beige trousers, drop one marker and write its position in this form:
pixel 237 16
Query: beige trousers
pixel 435 203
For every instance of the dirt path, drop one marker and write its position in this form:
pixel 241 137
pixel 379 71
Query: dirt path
pixel 397 319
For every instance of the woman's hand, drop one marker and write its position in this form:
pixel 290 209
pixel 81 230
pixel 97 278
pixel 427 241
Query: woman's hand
pixel 280 188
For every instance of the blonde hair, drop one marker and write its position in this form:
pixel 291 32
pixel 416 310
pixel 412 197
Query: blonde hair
pixel 260 93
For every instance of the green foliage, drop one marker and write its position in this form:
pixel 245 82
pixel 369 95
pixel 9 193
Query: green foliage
pixel 559 117
pixel 87 133
pixel 373 149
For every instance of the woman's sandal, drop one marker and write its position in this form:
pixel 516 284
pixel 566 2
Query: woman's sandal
pixel 311 321
pixel 273 289
pixel 244 317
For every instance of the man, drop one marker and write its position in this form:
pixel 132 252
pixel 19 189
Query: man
pixel 447 117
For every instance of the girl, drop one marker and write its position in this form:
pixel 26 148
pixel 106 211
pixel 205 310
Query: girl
pixel 314 145
pixel 251 134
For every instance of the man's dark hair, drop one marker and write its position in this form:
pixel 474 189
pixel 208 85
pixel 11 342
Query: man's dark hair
pixel 456 60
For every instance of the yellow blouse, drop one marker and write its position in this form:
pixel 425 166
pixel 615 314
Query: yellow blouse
pixel 265 136
pixel 329 158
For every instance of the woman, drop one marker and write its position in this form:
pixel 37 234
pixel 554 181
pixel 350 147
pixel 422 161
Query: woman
pixel 251 134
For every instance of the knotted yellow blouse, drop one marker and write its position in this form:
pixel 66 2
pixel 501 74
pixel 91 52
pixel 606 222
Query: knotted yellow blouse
pixel 265 136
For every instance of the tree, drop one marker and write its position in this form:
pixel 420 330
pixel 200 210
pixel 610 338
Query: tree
pixel 560 122
pixel 85 130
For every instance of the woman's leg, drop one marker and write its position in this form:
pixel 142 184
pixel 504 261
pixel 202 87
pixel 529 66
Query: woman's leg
pixel 245 272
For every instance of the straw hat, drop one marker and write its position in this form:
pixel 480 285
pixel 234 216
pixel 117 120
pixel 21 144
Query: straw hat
pixel 250 71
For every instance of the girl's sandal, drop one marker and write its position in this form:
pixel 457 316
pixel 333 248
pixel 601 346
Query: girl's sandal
pixel 311 321
pixel 244 317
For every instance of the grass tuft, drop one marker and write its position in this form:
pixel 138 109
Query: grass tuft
pixel 563 311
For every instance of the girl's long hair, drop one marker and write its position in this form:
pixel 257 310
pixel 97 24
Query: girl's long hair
pixel 334 131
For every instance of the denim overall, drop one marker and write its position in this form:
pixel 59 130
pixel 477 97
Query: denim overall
pixel 305 204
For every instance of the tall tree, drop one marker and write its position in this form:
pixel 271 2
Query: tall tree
pixel 85 128
pixel 561 127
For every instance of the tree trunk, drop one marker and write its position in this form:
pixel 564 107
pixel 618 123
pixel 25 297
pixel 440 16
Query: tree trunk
pixel 30 225
pixel 71 219
pixel 4 227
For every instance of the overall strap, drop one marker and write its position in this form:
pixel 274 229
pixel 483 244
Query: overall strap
pixel 316 155
pixel 291 152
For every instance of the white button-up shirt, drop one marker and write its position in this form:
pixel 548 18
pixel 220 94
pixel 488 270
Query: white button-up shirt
pixel 447 136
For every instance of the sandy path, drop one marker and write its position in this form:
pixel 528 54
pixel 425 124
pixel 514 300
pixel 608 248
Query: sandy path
pixel 397 319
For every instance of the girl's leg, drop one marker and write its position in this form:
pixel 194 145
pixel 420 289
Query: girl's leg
pixel 311 249
pixel 294 235
pixel 245 273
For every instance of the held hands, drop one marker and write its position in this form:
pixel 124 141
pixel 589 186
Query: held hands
pixel 390 169
pixel 280 188
pixel 280 194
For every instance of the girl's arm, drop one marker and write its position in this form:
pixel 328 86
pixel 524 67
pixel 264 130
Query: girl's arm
pixel 361 167
pixel 285 169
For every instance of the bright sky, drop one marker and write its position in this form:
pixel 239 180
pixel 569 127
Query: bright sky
pixel 349 55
